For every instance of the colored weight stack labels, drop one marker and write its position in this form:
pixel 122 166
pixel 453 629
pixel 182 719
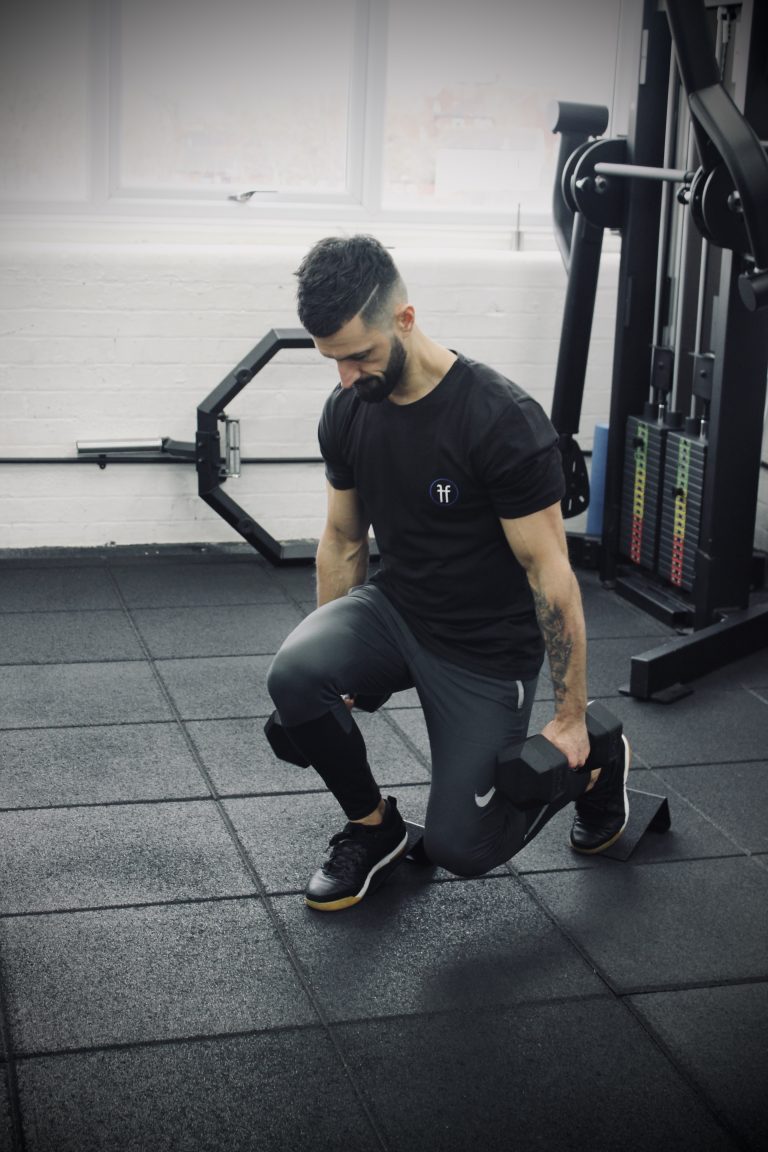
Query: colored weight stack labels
pixel 643 464
pixel 681 508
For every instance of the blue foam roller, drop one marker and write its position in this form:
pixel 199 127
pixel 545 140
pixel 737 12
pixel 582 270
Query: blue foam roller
pixel 597 481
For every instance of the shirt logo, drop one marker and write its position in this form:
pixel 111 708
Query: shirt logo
pixel 443 492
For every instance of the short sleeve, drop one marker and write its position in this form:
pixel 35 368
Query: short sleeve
pixel 338 470
pixel 522 468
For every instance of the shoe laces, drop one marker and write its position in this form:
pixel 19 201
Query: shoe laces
pixel 347 853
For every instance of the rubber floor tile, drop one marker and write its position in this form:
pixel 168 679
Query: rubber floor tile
pixel 517 1078
pixel 733 796
pixel 6 1124
pixel 215 631
pixel 210 689
pixel 239 758
pixel 646 927
pixel 610 662
pixel 717 1035
pixel 463 944
pixel 279 1092
pixel 708 727
pixel 62 858
pixel 608 616
pixel 54 589
pixel 121 976
pixel 180 585
pixel 67 637
pixel 97 765
pixel 45 696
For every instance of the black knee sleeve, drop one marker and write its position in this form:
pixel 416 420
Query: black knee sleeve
pixel 339 756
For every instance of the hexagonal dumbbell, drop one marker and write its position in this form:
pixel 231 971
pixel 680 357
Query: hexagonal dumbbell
pixel 538 773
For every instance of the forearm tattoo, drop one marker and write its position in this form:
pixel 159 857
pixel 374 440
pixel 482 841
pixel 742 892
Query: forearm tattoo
pixel 557 641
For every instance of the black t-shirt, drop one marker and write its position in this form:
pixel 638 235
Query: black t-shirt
pixel 434 477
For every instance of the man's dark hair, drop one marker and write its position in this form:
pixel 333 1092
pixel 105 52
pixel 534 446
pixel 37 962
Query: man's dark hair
pixel 343 276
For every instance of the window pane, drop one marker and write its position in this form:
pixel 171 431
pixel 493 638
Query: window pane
pixel 467 92
pixel 235 94
pixel 44 120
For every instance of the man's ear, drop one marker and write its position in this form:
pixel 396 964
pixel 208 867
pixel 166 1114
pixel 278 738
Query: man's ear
pixel 405 318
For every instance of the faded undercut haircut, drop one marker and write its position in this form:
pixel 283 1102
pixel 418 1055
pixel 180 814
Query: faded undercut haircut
pixel 342 277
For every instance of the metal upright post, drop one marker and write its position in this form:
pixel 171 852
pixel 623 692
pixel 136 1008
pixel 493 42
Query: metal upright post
pixel 637 271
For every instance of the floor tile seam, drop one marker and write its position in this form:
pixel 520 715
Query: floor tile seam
pixel 22 1056
pixel 90 661
pixel 193 797
pixel 6 612
pixel 184 606
pixel 567 934
pixel 474 1010
pixel 687 1076
pixel 280 931
pixel 137 905
pixel 756 691
pixel 719 763
pixel 13 1098
pixel 693 986
pixel 280 893
pixel 176 606
pixel 128 659
pixel 704 816
pixel 127 802
pixel 741 854
pixel 96 724
pixel 391 722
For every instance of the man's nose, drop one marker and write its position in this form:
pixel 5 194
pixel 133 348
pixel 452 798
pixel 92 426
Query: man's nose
pixel 348 373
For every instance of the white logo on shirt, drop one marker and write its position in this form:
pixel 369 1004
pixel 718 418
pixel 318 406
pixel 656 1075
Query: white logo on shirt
pixel 443 491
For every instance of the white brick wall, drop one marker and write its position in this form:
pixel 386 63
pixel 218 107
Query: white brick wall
pixel 121 341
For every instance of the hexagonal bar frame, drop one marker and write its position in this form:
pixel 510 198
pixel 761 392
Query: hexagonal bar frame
pixel 211 468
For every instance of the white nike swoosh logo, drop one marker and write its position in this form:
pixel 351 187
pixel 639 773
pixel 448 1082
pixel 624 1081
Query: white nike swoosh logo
pixel 481 801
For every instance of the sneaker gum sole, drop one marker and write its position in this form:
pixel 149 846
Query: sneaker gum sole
pixel 394 857
pixel 613 839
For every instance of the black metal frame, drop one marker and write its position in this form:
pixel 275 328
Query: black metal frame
pixel 729 204
pixel 211 472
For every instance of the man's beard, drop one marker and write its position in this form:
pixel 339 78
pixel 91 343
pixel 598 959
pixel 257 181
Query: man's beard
pixel 373 389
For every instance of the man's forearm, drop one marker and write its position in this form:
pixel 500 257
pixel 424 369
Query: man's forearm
pixel 561 620
pixel 341 564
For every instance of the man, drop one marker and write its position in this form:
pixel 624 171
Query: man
pixel 459 473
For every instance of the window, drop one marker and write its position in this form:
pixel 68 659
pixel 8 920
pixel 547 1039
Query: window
pixel 468 87
pixel 44 96
pixel 358 110
pixel 233 95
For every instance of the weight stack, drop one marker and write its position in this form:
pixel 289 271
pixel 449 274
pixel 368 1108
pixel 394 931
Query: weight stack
pixel 683 492
pixel 643 468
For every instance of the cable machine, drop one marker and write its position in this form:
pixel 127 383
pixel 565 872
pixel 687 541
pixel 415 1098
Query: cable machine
pixel 691 342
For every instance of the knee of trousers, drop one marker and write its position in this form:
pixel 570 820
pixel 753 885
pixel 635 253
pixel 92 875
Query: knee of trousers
pixel 461 860
pixel 459 851
pixel 299 686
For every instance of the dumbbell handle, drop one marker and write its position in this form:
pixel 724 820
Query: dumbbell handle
pixel 538 773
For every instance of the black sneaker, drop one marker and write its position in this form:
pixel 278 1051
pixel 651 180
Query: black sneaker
pixel 358 862
pixel 602 813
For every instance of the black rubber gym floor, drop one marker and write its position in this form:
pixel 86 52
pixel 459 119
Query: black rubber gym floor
pixel 163 986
